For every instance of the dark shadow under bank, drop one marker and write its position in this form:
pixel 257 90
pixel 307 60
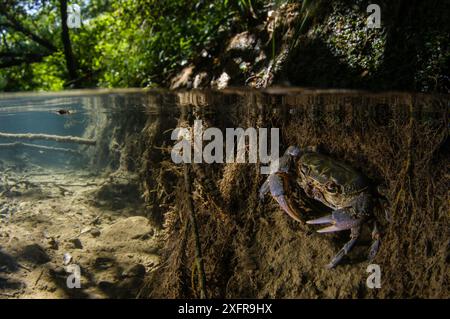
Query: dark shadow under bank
pixel 415 55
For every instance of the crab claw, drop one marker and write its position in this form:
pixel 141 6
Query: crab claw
pixel 275 184
pixel 287 208
pixel 322 220
pixel 339 220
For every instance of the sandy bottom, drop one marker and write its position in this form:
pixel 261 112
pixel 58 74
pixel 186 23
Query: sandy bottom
pixel 53 223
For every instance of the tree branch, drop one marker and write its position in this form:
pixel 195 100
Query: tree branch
pixel 16 25
pixel 65 37
pixel 39 147
pixel 11 60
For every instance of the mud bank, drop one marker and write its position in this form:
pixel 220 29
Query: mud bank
pixel 400 141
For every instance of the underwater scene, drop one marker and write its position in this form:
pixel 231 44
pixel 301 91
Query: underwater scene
pixel 239 193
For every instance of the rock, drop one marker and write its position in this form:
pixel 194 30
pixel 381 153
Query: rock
pixel 183 79
pixel 76 242
pixel 222 82
pixel 201 80
pixel 95 232
pixel 129 287
pixel 127 229
pixel 103 263
pixel 67 258
pixel 134 271
pixel 145 236
pixel 241 42
pixel 7 262
pixel 35 254
pixel 153 250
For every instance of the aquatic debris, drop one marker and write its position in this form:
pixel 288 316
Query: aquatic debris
pixel 64 112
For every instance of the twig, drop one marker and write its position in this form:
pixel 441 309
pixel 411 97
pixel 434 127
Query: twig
pixel 23 267
pixel 39 278
pixel 40 147
pixel 57 138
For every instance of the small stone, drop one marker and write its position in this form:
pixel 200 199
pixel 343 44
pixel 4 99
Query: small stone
pixel 223 80
pixel 135 271
pixel 95 232
pixel 51 288
pixel 76 243
pixel 67 258
pixel 103 263
pixel 201 80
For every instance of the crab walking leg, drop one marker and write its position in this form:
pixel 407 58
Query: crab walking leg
pixel 376 237
pixel 276 186
pixel 347 247
pixel 339 219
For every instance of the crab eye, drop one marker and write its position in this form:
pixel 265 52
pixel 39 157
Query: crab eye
pixel 331 187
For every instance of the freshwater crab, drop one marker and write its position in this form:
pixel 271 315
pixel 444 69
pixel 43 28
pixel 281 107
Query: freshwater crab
pixel 332 183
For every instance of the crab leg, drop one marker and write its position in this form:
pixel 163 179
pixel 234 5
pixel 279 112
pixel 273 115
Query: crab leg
pixel 347 247
pixel 376 242
pixel 265 188
pixel 340 220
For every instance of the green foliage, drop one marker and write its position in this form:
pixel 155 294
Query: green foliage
pixel 125 43
pixel 141 42
pixel 121 42
pixel 433 63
